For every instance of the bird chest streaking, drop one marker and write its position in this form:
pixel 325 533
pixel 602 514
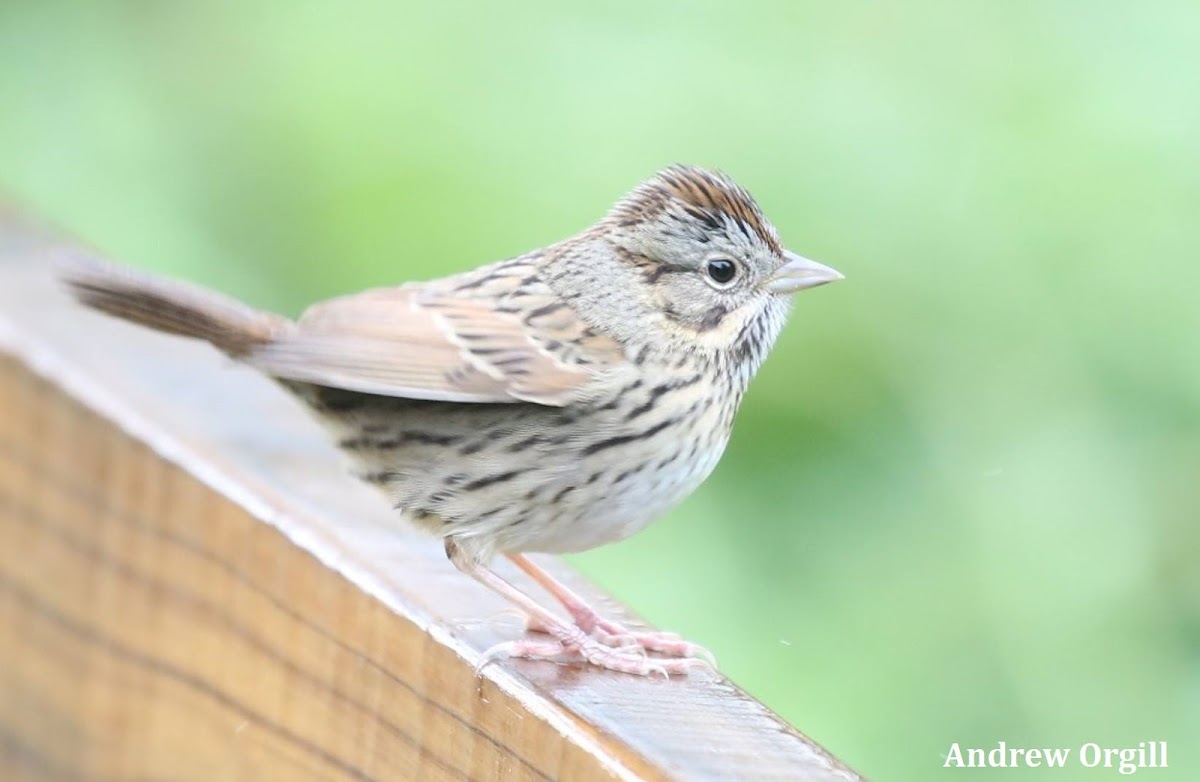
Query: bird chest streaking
pixel 551 402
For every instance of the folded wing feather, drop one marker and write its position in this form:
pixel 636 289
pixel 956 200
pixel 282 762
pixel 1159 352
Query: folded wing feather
pixel 433 342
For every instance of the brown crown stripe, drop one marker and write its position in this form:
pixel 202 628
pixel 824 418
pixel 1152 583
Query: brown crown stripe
pixel 709 193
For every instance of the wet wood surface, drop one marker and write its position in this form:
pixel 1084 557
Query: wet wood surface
pixel 192 588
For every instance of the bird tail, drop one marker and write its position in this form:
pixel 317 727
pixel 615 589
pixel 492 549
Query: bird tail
pixel 170 306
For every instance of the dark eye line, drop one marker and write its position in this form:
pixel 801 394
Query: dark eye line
pixel 659 269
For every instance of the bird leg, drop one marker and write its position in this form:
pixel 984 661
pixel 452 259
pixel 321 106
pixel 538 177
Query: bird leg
pixel 571 643
pixel 604 630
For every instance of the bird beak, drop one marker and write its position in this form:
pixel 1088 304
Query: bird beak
pixel 800 273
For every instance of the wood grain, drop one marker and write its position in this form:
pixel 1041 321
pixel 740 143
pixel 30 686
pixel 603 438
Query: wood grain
pixel 191 588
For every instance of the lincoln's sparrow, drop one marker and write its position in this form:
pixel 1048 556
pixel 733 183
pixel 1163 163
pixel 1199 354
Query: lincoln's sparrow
pixel 551 402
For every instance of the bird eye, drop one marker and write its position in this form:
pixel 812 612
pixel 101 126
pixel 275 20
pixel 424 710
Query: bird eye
pixel 721 270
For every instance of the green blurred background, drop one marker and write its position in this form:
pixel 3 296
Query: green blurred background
pixel 963 499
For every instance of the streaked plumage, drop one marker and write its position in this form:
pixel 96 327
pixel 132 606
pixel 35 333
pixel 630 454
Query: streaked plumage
pixel 555 401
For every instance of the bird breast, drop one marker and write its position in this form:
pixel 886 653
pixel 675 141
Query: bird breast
pixel 523 477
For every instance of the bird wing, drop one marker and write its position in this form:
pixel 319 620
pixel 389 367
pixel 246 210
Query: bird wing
pixel 486 336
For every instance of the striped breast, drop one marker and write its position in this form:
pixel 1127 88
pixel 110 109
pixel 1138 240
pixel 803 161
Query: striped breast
pixel 524 477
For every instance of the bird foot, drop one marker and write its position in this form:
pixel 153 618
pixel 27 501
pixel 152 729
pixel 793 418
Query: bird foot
pixel 605 631
pixel 617 636
pixel 668 644
pixel 630 659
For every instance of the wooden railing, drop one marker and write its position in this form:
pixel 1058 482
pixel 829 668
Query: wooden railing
pixel 190 588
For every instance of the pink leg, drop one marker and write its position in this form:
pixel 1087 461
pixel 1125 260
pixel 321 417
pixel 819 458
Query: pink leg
pixel 571 644
pixel 606 631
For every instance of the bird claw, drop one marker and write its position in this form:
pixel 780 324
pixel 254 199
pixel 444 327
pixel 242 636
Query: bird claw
pixel 592 651
pixel 665 643
pixel 619 637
